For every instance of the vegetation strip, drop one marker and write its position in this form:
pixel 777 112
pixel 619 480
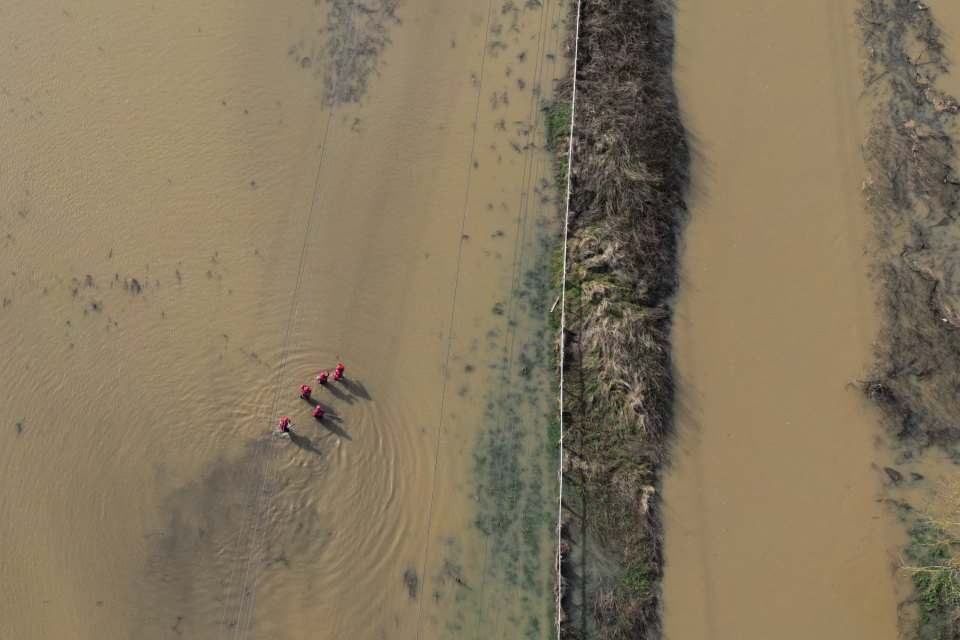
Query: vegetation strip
pixel 627 208
pixel 558 114
pixel 913 190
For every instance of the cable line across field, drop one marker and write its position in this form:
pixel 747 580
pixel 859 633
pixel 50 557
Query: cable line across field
pixel 265 457
pixel 259 493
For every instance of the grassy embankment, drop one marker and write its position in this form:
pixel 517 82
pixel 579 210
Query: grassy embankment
pixel 628 180
pixel 914 190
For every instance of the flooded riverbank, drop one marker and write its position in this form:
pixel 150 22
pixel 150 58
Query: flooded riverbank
pixel 770 507
pixel 912 188
pixel 206 204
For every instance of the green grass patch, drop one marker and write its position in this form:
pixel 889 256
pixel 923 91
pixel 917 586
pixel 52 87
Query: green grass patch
pixel 557 121
pixel 933 561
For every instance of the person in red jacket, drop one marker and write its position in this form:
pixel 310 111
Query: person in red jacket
pixel 338 372
pixel 318 412
pixel 305 391
pixel 284 424
pixel 322 378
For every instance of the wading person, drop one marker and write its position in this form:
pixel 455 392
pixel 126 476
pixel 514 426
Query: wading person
pixel 284 425
pixel 318 412
pixel 338 372
pixel 322 378
pixel 305 391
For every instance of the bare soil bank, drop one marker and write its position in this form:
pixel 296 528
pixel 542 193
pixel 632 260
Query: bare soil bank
pixel 913 189
pixel 629 175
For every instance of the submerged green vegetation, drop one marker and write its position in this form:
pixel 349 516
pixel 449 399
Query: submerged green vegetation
pixel 628 179
pixel 933 561
pixel 558 114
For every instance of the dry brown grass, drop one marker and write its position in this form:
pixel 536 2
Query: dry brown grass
pixel 629 176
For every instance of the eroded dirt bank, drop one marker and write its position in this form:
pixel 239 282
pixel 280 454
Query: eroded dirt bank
pixel 203 204
pixel 773 527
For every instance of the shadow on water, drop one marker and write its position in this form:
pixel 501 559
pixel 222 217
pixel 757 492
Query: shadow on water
pixel 195 554
pixel 338 393
pixel 347 390
pixel 304 442
pixel 330 421
pixel 356 388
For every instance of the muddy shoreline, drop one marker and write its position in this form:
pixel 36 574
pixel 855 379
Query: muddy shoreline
pixel 629 175
pixel 913 189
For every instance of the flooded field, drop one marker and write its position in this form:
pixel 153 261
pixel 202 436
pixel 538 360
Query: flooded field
pixel 203 205
pixel 773 523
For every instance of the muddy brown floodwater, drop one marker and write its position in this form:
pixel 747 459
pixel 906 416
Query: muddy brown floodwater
pixel 205 203
pixel 773 528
